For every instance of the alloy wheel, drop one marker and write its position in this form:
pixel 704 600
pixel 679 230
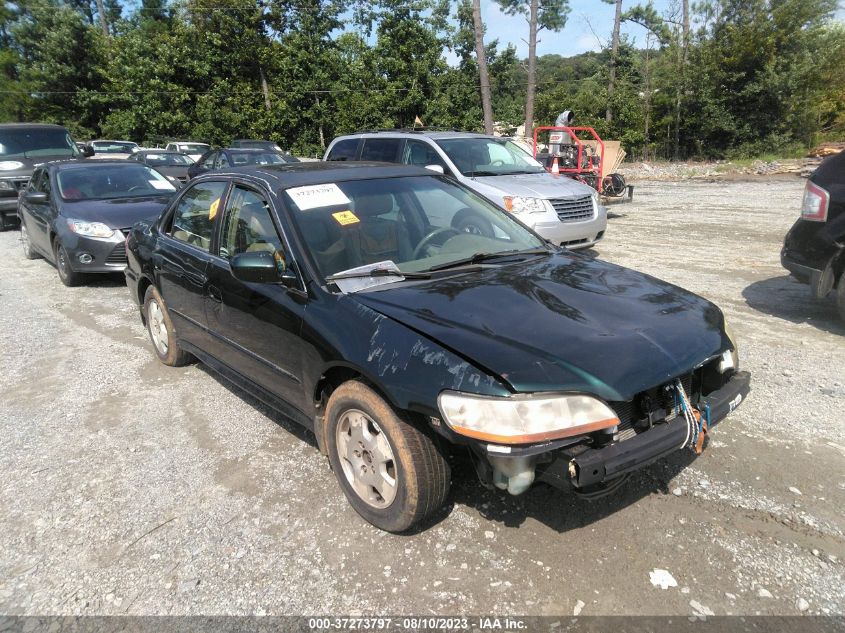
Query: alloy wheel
pixel 367 458
pixel 158 329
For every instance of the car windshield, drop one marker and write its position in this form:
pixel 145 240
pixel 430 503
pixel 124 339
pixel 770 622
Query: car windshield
pixel 104 182
pixel 193 148
pixel 168 160
pixel 256 158
pixel 416 223
pixel 114 147
pixel 34 142
pixel 477 156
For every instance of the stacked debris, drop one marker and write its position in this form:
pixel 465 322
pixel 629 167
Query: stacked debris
pixel 826 149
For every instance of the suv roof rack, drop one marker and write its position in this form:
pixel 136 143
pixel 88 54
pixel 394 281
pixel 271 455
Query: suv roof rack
pixel 418 130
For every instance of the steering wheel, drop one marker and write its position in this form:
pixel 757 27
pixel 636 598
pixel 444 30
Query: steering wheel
pixel 498 163
pixel 136 187
pixel 430 237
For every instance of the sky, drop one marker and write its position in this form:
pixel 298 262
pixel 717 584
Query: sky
pixel 588 27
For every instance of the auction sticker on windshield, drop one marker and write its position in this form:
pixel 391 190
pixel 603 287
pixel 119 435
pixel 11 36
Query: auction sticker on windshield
pixel 316 196
pixel 345 217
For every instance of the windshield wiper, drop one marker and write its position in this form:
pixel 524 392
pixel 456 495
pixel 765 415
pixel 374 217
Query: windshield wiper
pixel 473 174
pixel 378 272
pixel 483 257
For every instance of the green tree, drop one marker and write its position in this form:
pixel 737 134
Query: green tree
pixel 540 15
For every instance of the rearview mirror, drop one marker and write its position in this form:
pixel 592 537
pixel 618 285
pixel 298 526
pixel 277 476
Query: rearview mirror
pixel 87 151
pixel 262 267
pixel 437 168
pixel 35 197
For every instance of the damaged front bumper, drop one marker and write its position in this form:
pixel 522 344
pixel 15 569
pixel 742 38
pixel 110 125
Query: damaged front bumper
pixel 572 464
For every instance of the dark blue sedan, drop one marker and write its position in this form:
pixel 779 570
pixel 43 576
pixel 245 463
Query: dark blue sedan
pixel 77 213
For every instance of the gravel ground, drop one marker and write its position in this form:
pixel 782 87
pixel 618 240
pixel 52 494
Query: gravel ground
pixel 128 487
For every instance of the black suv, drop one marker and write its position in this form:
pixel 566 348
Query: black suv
pixel 22 146
pixel 814 248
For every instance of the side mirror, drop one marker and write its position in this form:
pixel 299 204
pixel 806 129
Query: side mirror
pixel 35 197
pixel 436 168
pixel 262 267
pixel 87 151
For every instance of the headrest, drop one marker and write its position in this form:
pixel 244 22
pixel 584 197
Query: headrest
pixel 419 154
pixel 373 204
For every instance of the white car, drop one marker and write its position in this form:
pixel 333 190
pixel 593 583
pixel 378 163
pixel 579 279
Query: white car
pixel 559 208
pixel 192 149
pixel 112 149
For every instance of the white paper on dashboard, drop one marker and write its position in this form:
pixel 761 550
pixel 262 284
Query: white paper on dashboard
pixel 316 196
pixel 362 283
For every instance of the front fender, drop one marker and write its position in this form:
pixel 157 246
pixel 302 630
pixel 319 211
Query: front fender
pixel 409 368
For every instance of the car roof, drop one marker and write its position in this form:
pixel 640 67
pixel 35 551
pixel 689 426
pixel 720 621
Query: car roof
pixel 248 150
pixel 318 172
pixel 110 140
pixel 32 125
pixel 432 134
pixel 79 162
pixel 189 142
pixel 159 151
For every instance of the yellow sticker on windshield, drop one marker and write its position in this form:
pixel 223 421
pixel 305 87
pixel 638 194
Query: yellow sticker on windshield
pixel 345 217
pixel 212 210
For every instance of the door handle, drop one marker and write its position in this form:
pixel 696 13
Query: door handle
pixel 214 294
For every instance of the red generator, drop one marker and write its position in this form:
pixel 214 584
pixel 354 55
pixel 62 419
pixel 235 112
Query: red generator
pixel 579 152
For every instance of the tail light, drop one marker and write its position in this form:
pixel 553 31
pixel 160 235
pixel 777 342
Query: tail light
pixel 815 203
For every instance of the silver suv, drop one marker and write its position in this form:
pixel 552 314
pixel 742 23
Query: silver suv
pixel 560 209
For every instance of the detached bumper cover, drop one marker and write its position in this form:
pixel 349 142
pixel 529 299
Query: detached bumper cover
pixel 597 466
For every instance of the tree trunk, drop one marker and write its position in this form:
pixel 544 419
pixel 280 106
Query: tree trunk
pixel 320 124
pixel 682 80
pixel 101 12
pixel 265 88
pixel 483 74
pixel 647 79
pixel 614 53
pixel 532 68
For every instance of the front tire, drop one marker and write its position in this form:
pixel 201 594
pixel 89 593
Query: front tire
pixel 26 244
pixel 840 296
pixel 392 472
pixel 67 275
pixel 161 331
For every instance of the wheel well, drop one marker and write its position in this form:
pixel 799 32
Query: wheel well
pixel 143 284
pixel 331 379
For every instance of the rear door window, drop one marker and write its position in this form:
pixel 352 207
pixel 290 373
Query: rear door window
pixel 384 150
pixel 193 218
pixel 344 150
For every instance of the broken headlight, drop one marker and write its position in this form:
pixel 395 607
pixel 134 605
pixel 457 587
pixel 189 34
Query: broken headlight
pixel 522 419
pixel 730 357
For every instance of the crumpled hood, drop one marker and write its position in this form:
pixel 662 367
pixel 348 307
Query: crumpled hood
pixel 543 185
pixel 562 323
pixel 119 213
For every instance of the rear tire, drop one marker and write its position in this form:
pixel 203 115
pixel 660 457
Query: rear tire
pixel 28 251
pixel 161 331
pixel 67 275
pixel 393 473
pixel 840 296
